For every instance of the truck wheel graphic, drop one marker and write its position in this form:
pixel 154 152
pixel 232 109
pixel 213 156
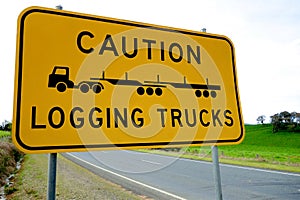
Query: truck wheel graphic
pixel 198 93
pixel 61 87
pixel 158 91
pixel 84 88
pixel 213 94
pixel 206 93
pixel 149 91
pixel 140 90
pixel 96 88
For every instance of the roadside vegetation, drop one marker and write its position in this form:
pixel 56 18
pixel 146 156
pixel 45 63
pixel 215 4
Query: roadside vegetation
pixel 260 148
pixel 73 182
pixel 9 156
pixel 4 134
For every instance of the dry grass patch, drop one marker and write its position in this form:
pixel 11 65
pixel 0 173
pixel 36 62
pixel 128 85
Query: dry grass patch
pixel 73 182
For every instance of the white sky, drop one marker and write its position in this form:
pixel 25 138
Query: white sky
pixel 266 36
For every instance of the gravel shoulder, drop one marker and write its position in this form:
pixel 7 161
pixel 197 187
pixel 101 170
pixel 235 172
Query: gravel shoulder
pixel 73 182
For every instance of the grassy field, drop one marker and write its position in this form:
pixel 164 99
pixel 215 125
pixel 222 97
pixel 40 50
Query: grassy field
pixel 260 142
pixel 262 147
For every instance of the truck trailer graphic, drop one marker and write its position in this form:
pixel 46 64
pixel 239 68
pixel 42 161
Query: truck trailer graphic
pixel 60 79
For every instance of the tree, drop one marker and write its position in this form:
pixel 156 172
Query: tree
pixel 294 116
pixel 285 117
pixel 286 121
pixel 261 119
pixel 6 126
pixel 274 118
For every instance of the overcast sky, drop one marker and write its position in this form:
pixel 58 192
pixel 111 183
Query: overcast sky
pixel 266 36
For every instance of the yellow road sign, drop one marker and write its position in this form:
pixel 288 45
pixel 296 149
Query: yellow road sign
pixel 85 82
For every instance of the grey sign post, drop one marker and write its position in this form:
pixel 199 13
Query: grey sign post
pixel 52 176
pixel 51 193
pixel 216 165
pixel 217 175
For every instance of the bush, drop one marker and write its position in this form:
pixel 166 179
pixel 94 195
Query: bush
pixel 9 156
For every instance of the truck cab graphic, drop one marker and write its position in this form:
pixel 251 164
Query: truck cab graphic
pixel 60 79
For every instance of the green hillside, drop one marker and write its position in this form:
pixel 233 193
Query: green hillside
pixel 260 148
pixel 261 143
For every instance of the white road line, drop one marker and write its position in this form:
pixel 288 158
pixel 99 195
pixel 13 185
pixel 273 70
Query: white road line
pixel 234 166
pixel 129 179
pixel 151 162
pixel 245 168
pixel 260 170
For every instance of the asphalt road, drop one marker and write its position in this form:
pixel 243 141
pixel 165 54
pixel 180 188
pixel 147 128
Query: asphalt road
pixel 163 177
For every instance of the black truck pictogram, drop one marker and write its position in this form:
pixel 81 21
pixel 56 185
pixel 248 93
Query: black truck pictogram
pixel 60 79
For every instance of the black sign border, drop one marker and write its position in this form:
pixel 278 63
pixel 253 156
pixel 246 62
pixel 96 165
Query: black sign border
pixel 99 146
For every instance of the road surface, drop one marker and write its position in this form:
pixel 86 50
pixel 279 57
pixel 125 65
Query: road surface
pixel 163 177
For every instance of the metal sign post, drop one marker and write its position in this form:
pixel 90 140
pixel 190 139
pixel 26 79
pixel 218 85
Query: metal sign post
pixel 216 166
pixel 217 175
pixel 52 176
pixel 52 166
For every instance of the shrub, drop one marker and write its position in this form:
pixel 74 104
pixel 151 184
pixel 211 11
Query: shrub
pixel 9 156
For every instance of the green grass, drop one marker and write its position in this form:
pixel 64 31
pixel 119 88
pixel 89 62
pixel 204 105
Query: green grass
pixel 260 148
pixel 260 144
pixel 4 134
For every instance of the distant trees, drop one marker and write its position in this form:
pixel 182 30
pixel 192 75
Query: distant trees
pixel 261 119
pixel 285 120
pixel 6 126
